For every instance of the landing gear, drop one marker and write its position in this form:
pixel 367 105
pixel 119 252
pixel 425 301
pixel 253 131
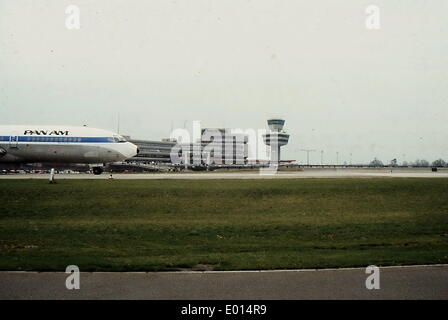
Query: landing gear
pixel 97 171
pixel 52 180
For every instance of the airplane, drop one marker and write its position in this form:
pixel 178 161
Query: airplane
pixel 63 144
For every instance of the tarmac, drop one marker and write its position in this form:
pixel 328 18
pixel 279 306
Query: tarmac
pixel 402 283
pixel 265 174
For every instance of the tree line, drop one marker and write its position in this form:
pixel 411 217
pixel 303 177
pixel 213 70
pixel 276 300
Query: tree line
pixel 439 163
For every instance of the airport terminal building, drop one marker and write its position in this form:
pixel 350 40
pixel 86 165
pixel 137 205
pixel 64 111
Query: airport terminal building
pixel 217 146
pixel 153 151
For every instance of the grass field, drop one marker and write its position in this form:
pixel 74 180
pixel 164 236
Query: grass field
pixel 124 225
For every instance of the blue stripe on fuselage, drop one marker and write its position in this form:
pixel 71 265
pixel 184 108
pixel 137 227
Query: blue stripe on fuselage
pixel 57 139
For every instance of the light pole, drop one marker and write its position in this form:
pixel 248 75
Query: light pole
pixel 337 158
pixel 308 155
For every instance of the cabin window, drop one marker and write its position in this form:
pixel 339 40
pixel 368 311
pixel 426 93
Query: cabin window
pixel 119 139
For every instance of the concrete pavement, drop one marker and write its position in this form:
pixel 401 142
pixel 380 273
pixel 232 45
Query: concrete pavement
pixel 307 173
pixel 413 282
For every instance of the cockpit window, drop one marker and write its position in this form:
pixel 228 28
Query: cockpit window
pixel 118 138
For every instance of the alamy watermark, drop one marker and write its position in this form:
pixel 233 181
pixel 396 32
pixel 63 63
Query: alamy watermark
pixel 373 280
pixel 73 281
pixel 373 18
pixel 73 17
pixel 221 147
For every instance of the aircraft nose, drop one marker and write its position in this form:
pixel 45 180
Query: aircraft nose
pixel 129 150
pixel 135 150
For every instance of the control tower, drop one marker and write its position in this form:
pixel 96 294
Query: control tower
pixel 276 138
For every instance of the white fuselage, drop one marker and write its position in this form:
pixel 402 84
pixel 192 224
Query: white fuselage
pixel 62 144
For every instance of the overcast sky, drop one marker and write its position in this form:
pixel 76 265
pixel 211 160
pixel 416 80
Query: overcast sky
pixel 340 87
